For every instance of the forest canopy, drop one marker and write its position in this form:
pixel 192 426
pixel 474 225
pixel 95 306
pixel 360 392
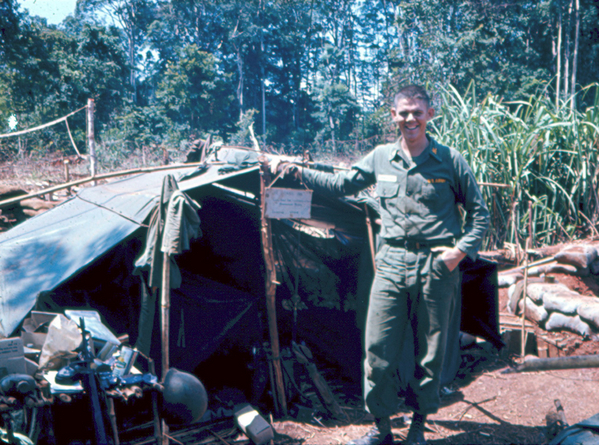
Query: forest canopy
pixel 307 73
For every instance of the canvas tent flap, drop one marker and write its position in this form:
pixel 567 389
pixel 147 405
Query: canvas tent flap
pixel 174 222
pixel 182 224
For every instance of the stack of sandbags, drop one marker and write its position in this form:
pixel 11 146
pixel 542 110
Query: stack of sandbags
pixel 35 206
pixel 555 307
pixel 584 257
pixel 578 259
pixel 13 214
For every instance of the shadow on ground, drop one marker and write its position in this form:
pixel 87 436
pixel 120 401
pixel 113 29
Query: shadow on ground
pixel 484 433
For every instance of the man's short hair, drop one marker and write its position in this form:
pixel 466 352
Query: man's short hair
pixel 413 92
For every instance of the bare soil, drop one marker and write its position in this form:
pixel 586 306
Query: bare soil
pixel 490 408
pixel 487 404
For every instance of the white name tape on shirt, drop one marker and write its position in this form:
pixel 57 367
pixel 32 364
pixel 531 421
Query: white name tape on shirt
pixel 386 178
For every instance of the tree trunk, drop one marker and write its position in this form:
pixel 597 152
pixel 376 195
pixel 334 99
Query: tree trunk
pixel 240 83
pixel 575 55
pixel 332 124
pixel 567 53
pixel 263 88
pixel 132 63
pixel 559 53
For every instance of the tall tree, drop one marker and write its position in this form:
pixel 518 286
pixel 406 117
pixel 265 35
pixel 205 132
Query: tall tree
pixel 133 17
pixel 192 93
pixel 459 41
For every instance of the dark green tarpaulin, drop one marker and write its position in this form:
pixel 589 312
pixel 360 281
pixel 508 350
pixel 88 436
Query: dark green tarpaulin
pixel 44 251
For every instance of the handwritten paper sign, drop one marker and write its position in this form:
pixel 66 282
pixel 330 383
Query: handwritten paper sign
pixel 288 203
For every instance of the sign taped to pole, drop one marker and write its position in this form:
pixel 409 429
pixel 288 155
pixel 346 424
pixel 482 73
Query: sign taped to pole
pixel 288 203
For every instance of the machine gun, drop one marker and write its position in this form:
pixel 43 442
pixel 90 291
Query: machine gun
pixel 90 385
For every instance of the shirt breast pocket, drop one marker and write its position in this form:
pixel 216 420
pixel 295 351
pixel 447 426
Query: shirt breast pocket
pixel 428 192
pixel 386 189
pixel 440 192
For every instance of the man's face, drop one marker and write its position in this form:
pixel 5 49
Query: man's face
pixel 411 115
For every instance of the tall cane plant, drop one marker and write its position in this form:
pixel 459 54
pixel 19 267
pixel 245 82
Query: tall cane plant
pixel 528 151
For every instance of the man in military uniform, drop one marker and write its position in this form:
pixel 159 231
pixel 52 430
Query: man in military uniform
pixel 419 183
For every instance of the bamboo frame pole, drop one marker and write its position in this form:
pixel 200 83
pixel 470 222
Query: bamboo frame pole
pixel 553 363
pixel 525 288
pixel 165 320
pixel 271 289
pixel 534 263
pixel 524 296
pixel 98 177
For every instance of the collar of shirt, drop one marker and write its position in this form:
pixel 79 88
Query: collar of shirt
pixel 431 150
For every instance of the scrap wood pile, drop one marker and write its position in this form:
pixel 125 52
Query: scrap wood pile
pixel 550 304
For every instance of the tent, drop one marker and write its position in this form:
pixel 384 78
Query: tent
pixel 82 254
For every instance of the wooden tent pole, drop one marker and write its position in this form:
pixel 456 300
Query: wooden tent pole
pixel 165 316
pixel 271 289
pixel 527 246
pixel 165 326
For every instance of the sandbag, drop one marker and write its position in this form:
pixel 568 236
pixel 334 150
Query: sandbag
pixel 536 288
pixel 552 268
pixel 589 313
pixel 579 256
pixel 508 279
pixel 534 312
pixel 536 291
pixel 565 302
pixel 557 322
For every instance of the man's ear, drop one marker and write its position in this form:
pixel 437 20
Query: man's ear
pixel 394 115
pixel 431 113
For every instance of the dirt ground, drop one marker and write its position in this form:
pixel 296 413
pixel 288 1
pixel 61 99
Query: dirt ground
pixel 491 408
pixel 486 404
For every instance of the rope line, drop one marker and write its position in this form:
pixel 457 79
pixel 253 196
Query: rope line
pixel 49 124
pixel 71 136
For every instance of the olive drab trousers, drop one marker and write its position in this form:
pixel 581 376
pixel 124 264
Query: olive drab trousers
pixel 412 289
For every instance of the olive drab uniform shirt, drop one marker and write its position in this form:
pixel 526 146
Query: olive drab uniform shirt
pixel 419 197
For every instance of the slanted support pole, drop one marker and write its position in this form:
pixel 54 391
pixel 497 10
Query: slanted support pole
pixel 271 289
